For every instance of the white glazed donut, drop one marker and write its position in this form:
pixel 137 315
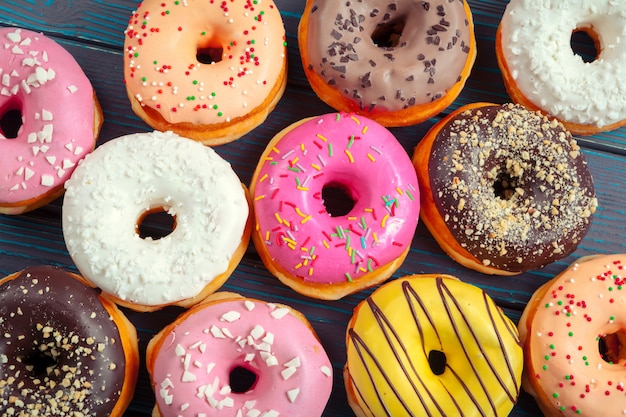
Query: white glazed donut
pixel 109 193
pixel 542 72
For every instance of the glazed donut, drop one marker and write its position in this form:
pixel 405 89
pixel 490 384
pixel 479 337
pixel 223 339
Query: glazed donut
pixel 541 71
pixel 573 335
pixel 66 350
pixel 127 178
pixel 396 62
pixel 237 356
pixel 49 119
pixel 431 345
pixel 504 190
pixel 207 70
pixel 318 252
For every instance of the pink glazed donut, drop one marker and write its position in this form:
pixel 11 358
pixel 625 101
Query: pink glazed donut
pixel 316 249
pixel 236 356
pixel 49 119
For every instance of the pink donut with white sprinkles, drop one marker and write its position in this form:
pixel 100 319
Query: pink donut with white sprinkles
pixel 49 119
pixel 318 252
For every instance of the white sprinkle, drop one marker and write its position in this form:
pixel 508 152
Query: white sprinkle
pixel 14 36
pixel 288 372
pixel 231 316
pixel 257 332
pixel 67 164
pixel 47 180
pixel 249 357
pixel 326 370
pixel 279 313
pixel 217 333
pixel 28 173
pixel 293 394
pixel 188 377
pixel 72 89
pixel 249 305
pixel 46 115
pixel 179 350
pixel 295 362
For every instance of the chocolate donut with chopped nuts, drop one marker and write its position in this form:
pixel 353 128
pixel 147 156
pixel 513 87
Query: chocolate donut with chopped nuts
pixel 398 62
pixel 504 190
pixel 64 350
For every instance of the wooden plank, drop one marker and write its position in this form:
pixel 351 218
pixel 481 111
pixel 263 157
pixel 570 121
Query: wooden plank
pixel 92 30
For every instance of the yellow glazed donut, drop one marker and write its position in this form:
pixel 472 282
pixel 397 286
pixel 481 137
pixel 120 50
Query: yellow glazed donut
pixel 431 345
pixel 208 70
pixel 573 335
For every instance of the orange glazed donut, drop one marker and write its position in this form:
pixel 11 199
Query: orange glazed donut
pixel 396 62
pixel 49 119
pixel 66 349
pixel 208 70
pixel 504 190
pixel 573 335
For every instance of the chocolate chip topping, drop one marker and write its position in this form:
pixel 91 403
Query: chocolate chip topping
pixel 60 353
pixel 512 186
pixel 394 39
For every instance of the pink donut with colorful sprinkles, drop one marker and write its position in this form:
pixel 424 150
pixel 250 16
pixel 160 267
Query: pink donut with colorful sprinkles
pixel 315 248
pixel 574 340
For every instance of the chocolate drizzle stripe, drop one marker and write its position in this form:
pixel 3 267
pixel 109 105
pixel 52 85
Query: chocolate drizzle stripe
pixel 505 355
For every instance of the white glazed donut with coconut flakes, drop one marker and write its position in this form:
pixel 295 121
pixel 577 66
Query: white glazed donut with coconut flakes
pixel 112 190
pixel 198 364
pixel 542 71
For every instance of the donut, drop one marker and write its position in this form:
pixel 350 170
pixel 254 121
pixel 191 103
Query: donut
pixel 431 345
pixel 112 191
pixel 49 119
pixel 66 350
pixel 237 356
pixel 542 72
pixel 572 331
pixel 396 62
pixel 208 70
pixel 323 247
pixel 504 190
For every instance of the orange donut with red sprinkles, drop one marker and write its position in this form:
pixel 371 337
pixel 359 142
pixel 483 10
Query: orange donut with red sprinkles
pixel 208 70
pixel 574 340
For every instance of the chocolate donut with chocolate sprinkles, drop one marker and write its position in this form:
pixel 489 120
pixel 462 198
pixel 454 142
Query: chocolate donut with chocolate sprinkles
pixel 504 189
pixel 64 350
pixel 398 62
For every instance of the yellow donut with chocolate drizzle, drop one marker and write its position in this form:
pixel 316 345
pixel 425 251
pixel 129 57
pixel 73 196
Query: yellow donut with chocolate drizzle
pixel 431 345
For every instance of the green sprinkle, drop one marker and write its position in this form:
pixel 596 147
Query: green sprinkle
pixel 545 367
pixel 219 113
pixel 570 334
pixel 551 346
pixel 555 395
pixel 203 33
pixel 560 303
pixel 408 192
pixel 337 117
pixel 330 149
pixel 252 41
pixel 213 94
pixel 610 288
pixel 136 54
pixel 195 82
pixel 143 79
pixel 348 277
pixel 215 107
pixel 154 62
pixel 547 357
pixel 285 44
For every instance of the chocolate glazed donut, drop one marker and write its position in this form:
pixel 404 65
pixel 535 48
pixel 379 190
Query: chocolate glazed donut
pixel 62 348
pixel 397 62
pixel 505 190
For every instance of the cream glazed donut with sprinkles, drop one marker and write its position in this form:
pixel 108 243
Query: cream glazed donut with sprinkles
pixel 49 119
pixel 240 357
pixel 573 335
pixel 324 251
pixel 208 70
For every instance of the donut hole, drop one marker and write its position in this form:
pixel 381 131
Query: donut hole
pixel 388 34
pixel 155 223
pixel 11 121
pixel 337 200
pixel 504 185
pixel 210 53
pixel 437 361
pixel 584 43
pixel 40 363
pixel 242 380
pixel 612 346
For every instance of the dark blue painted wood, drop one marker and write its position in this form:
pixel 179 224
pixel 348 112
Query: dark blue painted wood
pixel 92 30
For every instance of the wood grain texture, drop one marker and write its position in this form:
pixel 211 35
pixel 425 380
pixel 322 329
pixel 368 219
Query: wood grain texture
pixel 92 30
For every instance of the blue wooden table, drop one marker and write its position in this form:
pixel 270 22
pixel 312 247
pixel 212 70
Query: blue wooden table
pixel 93 31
